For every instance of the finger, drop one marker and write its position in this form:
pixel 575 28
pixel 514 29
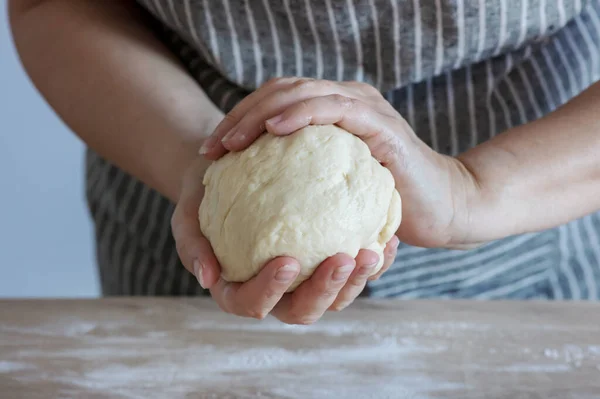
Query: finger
pixel 383 134
pixel 370 95
pixel 257 297
pixel 389 256
pixel 252 123
pixel 366 261
pixel 193 248
pixel 212 148
pixel 313 297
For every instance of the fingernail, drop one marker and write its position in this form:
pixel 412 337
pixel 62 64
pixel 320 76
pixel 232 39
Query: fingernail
pixel 203 150
pixel 342 272
pixel 274 120
pixel 229 135
pixel 207 145
pixel 286 273
pixel 366 271
pixel 198 272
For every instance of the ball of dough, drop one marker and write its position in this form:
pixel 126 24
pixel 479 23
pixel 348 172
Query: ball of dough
pixel 309 195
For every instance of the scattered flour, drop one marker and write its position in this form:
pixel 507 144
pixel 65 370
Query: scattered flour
pixel 9 367
pixel 269 359
pixel 343 371
pixel 537 368
pixel 60 328
pixel 79 328
pixel 551 353
pixel 326 328
pixel 324 360
pixel 572 354
pixel 594 349
pixel 157 334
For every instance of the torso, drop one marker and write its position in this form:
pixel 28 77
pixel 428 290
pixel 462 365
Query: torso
pixel 460 72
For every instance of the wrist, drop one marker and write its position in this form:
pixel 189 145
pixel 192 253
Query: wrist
pixel 469 203
pixel 185 157
pixel 491 203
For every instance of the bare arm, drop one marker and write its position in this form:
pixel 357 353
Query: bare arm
pixel 542 174
pixel 115 85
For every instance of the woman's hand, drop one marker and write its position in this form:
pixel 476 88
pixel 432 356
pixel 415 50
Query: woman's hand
pixel 437 191
pixel 333 286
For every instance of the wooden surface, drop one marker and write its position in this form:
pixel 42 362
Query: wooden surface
pixel 186 348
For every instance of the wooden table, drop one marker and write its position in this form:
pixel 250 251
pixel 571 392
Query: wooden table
pixel 187 348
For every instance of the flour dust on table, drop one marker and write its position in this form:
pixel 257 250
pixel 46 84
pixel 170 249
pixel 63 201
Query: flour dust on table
pixel 178 348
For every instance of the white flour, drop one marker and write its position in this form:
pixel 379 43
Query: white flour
pixel 573 355
pixel 537 368
pixel 8 367
pixel 552 353
pixel 272 372
pixel 270 359
pixel 273 360
pixel 259 368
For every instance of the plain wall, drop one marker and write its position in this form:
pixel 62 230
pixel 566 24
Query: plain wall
pixel 46 241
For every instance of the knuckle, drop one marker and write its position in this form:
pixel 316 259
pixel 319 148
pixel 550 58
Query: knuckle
pixel 327 85
pixel 357 282
pixel 328 289
pixel 301 318
pixel 390 251
pixel 230 118
pixel 278 80
pixel 390 147
pixel 178 217
pixel 174 222
pixel 355 85
pixel 345 102
pixel 256 313
pixel 370 91
pixel 322 290
pixel 383 106
pixel 365 88
pixel 303 86
pixel 304 104
pixel 396 146
pixel 314 87
pixel 222 306
pixel 272 81
pixel 307 320
pixel 305 83
pixel 271 293
pixel 331 291
pixel 339 306
pixel 182 246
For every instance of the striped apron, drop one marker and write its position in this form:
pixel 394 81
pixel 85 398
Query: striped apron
pixel 460 71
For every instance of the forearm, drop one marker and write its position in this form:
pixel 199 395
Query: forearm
pixel 115 85
pixel 539 175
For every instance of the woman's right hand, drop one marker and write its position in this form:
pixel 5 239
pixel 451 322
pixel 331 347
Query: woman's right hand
pixel 333 286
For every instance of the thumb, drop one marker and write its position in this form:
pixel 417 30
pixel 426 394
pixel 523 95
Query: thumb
pixel 193 248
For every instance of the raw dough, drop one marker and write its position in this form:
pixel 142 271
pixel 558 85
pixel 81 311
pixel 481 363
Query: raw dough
pixel 309 195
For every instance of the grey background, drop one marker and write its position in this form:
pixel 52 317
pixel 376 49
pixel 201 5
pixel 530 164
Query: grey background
pixel 45 231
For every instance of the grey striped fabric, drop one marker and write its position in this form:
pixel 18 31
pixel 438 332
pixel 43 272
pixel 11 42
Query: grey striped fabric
pixel 460 71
